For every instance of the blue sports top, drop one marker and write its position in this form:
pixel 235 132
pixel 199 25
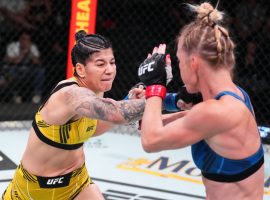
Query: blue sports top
pixel 218 168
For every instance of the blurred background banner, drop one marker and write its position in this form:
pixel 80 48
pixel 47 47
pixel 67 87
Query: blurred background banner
pixel 83 17
pixel 44 27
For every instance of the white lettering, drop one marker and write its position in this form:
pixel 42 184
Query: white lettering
pixel 54 181
pixel 150 66
pixel 60 180
pixel 147 67
pixel 49 182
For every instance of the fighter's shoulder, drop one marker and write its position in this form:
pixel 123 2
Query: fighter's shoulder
pixel 212 116
pixel 211 109
pixel 216 111
pixel 74 91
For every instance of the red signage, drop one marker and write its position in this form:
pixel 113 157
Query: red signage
pixel 83 17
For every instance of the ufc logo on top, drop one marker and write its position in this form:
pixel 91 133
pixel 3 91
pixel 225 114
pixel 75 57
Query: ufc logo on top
pixel 147 67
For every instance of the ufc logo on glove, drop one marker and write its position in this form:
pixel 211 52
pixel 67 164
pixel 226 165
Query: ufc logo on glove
pixel 147 67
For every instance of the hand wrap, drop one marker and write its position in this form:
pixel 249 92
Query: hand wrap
pixel 155 90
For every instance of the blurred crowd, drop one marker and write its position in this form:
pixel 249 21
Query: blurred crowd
pixel 34 39
pixel 150 22
pixel 251 27
pixel 34 42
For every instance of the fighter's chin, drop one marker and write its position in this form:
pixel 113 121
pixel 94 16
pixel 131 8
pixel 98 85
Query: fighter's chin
pixel 106 87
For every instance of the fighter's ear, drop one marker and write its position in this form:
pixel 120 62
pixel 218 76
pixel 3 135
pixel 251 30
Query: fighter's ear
pixel 194 62
pixel 80 69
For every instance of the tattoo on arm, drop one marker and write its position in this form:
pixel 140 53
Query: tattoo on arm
pixel 132 110
pixel 88 104
pixel 104 109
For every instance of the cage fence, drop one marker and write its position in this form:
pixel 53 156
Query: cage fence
pixel 134 28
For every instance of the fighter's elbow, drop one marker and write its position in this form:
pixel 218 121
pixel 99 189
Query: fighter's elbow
pixel 148 149
pixel 149 145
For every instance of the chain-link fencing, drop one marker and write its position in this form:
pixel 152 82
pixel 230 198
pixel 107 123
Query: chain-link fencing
pixel 134 27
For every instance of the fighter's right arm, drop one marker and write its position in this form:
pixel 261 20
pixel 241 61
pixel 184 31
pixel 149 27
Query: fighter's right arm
pixel 86 103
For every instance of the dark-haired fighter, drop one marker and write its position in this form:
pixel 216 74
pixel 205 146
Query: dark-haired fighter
pixel 53 164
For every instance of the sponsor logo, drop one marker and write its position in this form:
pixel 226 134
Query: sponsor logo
pixel 144 68
pixel 55 181
pixel 89 128
pixel 184 170
pixel 181 170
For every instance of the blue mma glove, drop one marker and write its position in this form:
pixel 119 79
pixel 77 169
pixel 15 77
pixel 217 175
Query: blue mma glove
pixel 171 99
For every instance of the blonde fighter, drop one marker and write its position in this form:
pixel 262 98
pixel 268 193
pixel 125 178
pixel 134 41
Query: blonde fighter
pixel 221 130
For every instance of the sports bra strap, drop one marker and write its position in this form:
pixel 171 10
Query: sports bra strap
pixel 221 94
pixel 60 86
pixel 246 99
pixel 57 88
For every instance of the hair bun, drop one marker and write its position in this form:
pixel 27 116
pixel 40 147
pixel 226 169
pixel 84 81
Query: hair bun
pixel 80 34
pixel 207 13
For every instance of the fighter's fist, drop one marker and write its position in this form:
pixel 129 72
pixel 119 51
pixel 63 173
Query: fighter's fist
pixel 137 91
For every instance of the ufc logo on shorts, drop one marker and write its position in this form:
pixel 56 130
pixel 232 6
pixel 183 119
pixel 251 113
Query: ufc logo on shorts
pixel 147 67
pixel 55 181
